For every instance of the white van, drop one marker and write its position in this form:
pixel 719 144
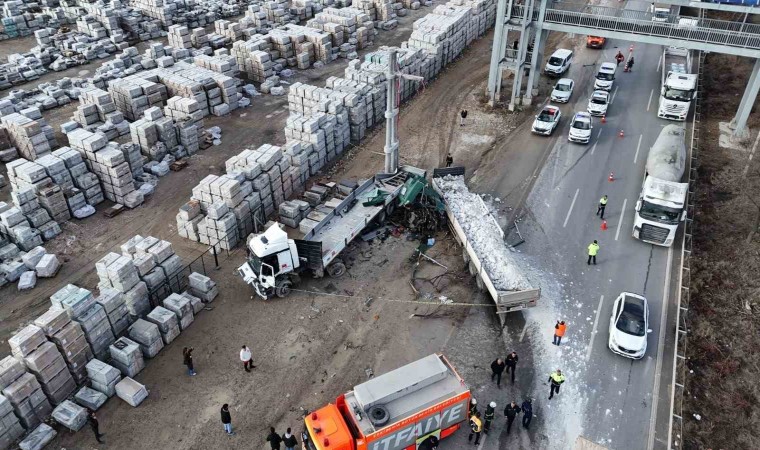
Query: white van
pixel 559 62
pixel 605 77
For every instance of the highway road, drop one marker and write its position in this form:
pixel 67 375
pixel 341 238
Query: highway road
pixel 607 398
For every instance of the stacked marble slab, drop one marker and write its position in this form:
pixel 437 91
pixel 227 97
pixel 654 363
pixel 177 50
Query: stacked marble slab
pixel 82 308
pixel 71 341
pixel 119 272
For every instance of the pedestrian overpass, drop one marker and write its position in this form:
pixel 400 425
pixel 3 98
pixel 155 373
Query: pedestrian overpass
pixel 531 20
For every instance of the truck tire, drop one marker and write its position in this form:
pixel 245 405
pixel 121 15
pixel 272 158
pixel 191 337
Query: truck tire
pixel 336 269
pixel 378 415
pixel 282 289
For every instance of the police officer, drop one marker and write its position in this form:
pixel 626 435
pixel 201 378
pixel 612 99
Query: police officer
pixel 527 409
pixel 602 205
pixel 556 379
pixel 511 411
pixel 488 416
pixel 476 427
pixel 593 249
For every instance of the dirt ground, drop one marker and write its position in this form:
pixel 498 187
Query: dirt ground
pixel 720 405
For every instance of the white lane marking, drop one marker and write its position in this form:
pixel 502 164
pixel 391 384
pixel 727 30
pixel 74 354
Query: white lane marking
pixel 660 349
pixel 659 61
pixel 649 103
pixel 525 328
pixel 598 134
pixel 571 208
pixel 593 147
pixel 751 154
pixel 593 330
pixel 614 94
pixel 638 147
pixel 620 222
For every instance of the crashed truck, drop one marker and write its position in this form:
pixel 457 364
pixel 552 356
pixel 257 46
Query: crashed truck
pixel 411 407
pixel 487 256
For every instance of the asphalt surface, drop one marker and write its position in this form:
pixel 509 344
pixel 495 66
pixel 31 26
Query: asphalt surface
pixel 614 394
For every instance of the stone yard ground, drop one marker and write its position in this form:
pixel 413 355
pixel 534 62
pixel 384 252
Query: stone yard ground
pixel 319 342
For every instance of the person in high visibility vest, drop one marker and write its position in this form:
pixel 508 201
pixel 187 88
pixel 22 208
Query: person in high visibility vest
pixel 488 416
pixel 555 379
pixel 593 249
pixel 559 331
pixel 476 427
pixel 602 205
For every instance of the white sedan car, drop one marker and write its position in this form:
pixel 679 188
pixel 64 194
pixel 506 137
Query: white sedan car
pixel 580 128
pixel 629 325
pixel 563 90
pixel 598 103
pixel 547 121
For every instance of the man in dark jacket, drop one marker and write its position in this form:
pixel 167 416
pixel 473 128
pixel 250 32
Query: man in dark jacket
pixel 274 439
pixel 289 440
pixel 497 368
pixel 527 409
pixel 512 364
pixel 227 419
pixel 511 411
pixel 95 426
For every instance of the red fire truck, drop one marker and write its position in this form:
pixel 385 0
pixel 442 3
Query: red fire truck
pixel 408 408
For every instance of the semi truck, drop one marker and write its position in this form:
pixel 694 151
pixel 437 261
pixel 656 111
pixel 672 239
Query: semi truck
pixel 506 300
pixel 661 204
pixel 413 406
pixel 276 260
pixel 679 86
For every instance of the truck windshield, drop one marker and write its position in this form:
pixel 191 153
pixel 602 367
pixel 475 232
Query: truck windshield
pixel 679 95
pixel 255 263
pixel 659 213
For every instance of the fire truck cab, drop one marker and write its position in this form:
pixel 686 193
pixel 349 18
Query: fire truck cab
pixel 402 409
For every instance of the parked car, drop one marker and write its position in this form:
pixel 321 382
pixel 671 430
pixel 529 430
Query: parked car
pixel 563 90
pixel 629 325
pixel 547 121
pixel 580 128
pixel 598 103
pixel 558 62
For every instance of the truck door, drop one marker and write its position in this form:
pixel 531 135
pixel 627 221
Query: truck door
pixel 267 275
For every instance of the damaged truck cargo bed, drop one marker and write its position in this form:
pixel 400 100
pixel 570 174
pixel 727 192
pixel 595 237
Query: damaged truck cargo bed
pixel 489 260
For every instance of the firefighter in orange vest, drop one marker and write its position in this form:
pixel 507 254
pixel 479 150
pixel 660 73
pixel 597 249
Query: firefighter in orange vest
pixel 559 331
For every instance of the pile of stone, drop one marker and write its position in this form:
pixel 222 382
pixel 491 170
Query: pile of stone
pixel 103 377
pixel 221 63
pixel 319 121
pixel 90 398
pixel 232 31
pixel 291 212
pixel 163 11
pixel 97 112
pixel 16 266
pixel 277 12
pixel 45 96
pixel 182 308
pixel 118 272
pixel 154 259
pixel 70 415
pixel 127 356
pixel 148 336
pixel 155 134
pixel 38 438
pixel 108 162
pixel 179 36
pixel 115 308
pixel 33 187
pixel 10 428
pixel 346 26
pixel 186 113
pixel 19 69
pixel 299 45
pixel 81 307
pixel 47 364
pixel 131 391
pixel 254 58
pixel 167 322
pixel 134 94
pixel 30 138
pixel 23 390
pixel 68 336
pixel 202 287
pixel 82 179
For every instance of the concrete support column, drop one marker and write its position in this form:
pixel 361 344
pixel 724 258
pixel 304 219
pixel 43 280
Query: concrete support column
pixel 739 124
pixel 391 111
pixel 538 53
pixel 499 36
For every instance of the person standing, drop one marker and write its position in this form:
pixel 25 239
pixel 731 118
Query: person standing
pixel 511 411
pixel 593 250
pixel 527 409
pixel 488 416
pixel 289 440
pixel 497 368
pixel 449 160
pixel 602 205
pixel 462 117
pixel 559 331
pixel 512 364
pixel 476 427
pixel 274 439
pixel 619 57
pixel 630 64
pixel 187 355
pixel 473 406
pixel 95 426
pixel 556 379
pixel 227 419
pixel 245 356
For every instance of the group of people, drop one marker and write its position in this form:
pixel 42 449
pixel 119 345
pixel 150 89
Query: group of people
pixel 275 439
pixel 246 357
pixel 480 425
pixel 620 58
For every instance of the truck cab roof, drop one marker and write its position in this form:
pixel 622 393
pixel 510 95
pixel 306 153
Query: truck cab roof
pixel 682 81
pixel 666 193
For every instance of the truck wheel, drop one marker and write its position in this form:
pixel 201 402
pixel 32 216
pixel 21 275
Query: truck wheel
pixel 378 415
pixel 282 289
pixel 336 269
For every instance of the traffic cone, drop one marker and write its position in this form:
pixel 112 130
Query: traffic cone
pixel 604 225
pixel 611 178
pixel 604 119
pixel 621 134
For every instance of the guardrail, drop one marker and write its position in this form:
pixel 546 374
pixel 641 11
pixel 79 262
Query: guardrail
pixel 680 369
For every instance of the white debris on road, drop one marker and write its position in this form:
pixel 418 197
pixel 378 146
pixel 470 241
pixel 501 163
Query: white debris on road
pixel 483 233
